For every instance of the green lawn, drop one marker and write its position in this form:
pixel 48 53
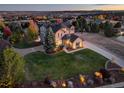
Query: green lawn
pixel 63 65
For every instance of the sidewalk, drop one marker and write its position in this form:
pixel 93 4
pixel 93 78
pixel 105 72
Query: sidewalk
pixel 116 85
pixel 72 50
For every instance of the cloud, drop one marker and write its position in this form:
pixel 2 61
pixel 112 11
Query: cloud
pixel 112 7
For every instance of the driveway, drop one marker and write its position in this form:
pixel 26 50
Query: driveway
pixel 109 45
pixel 26 51
pixel 105 53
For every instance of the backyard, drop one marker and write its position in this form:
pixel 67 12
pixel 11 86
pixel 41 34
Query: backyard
pixel 62 65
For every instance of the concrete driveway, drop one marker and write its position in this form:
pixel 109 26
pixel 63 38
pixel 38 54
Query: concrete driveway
pixel 105 53
pixel 26 51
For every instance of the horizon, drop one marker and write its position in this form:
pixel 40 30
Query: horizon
pixel 60 7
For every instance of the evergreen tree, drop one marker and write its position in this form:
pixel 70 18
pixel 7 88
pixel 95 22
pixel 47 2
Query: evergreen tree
pixel 17 35
pixel 94 27
pixel 43 34
pixel 81 24
pixel 108 29
pixel 49 41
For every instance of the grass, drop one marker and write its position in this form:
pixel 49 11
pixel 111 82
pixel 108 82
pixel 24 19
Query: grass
pixel 63 65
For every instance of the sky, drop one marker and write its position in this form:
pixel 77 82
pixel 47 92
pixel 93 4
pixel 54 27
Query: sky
pixel 58 7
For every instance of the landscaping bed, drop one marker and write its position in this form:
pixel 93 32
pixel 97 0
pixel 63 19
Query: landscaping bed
pixel 118 75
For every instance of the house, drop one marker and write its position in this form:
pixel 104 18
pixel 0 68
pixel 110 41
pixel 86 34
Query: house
pixel 1 18
pixel 64 35
pixel 60 30
pixel 72 41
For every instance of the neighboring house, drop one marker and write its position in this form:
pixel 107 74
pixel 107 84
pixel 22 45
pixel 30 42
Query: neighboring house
pixel 1 18
pixel 98 21
pixel 111 21
pixel 118 31
pixel 72 41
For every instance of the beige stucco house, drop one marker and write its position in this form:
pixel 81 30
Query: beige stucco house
pixel 64 35
pixel 60 31
pixel 72 41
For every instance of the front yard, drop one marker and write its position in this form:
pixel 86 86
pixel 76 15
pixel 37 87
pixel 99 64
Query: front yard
pixel 62 65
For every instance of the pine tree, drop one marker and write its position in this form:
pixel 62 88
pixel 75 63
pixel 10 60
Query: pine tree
pixel 94 27
pixel 43 34
pixel 82 24
pixel 108 29
pixel 49 40
pixel 17 35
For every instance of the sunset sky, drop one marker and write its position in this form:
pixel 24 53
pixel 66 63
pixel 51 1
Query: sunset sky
pixel 59 7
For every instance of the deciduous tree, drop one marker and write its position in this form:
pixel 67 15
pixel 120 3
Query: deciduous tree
pixel 12 68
